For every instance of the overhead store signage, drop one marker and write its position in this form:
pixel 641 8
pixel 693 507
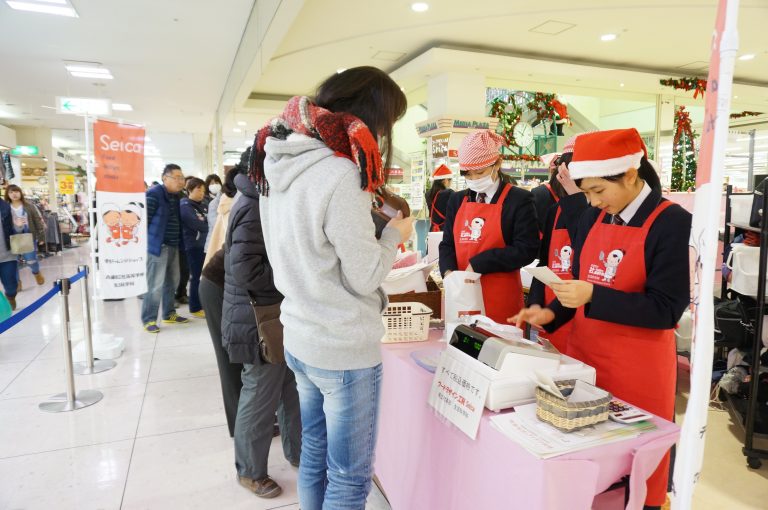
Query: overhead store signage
pixel 83 106
pixel 455 125
pixel 440 145
pixel 25 150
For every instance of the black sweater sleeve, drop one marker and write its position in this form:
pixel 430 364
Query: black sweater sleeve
pixel 667 291
pixel 521 234
pixel 536 294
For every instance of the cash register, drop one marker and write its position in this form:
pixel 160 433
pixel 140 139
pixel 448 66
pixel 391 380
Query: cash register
pixel 501 354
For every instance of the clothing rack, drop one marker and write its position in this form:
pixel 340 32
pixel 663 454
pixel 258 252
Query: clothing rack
pixel 753 454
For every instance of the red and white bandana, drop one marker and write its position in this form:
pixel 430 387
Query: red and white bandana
pixel 479 150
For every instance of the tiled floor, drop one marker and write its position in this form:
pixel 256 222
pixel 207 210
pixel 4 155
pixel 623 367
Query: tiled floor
pixel 159 439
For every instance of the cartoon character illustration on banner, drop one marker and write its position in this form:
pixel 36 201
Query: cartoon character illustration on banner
pixel 130 217
pixel 111 217
pixel 611 262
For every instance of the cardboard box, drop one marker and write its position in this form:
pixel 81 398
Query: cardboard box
pixel 433 298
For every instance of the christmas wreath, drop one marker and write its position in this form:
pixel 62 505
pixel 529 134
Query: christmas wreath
pixel 546 106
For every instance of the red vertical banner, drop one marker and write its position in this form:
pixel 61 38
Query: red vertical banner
pixel 120 203
pixel 703 251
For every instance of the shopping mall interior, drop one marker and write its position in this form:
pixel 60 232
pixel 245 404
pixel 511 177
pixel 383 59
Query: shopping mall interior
pixel 200 78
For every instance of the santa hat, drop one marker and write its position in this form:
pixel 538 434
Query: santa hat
pixel 442 172
pixel 479 149
pixel 134 207
pixel 548 158
pixel 606 153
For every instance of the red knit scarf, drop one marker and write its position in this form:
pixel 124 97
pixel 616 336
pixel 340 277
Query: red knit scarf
pixel 342 132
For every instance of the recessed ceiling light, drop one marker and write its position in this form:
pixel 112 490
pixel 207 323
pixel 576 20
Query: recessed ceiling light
pixel 237 130
pixel 88 70
pixel 608 37
pixel 420 7
pixel 620 85
pixel 735 97
pixel 748 56
pixel 98 76
pixel 241 123
pixel 62 7
pixel 122 107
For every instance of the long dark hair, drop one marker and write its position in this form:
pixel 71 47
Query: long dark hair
pixel 369 94
pixel 13 187
pixel 645 171
pixel 437 186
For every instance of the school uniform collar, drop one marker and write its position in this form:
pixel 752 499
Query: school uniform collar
pixel 631 210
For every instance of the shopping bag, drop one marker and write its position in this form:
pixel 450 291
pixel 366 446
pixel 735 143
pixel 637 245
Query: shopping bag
pixel 463 295
pixel 22 243
pixel 5 308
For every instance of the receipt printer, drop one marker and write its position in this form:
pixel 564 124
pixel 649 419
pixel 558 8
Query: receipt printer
pixel 509 364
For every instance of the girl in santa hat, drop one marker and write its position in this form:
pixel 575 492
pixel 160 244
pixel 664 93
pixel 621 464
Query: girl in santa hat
pixel 491 227
pixel 438 196
pixel 630 286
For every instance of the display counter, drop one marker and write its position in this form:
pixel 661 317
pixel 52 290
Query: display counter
pixel 424 463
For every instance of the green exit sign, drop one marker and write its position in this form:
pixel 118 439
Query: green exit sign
pixel 25 150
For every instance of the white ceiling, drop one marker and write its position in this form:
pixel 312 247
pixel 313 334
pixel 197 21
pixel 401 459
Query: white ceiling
pixel 174 60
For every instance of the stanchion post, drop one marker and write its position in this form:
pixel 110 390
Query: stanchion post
pixel 70 400
pixel 89 366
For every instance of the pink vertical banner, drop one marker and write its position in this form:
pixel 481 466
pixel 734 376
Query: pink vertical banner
pixel 703 250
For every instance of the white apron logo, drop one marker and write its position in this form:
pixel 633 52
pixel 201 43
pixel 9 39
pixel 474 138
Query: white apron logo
pixel 611 266
pixel 473 230
pixel 564 257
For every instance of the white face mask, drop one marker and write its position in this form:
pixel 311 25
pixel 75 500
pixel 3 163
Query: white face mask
pixel 481 185
pixel 214 188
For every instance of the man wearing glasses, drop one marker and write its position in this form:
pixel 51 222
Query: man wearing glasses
pixel 163 240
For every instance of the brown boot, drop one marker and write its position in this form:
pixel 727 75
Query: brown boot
pixel 39 278
pixel 264 488
pixel 11 301
pixel 18 285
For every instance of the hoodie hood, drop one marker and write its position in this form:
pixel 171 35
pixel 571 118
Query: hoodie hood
pixel 288 159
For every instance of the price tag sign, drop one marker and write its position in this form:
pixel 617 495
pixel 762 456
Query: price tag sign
pixel 458 393
pixel 66 184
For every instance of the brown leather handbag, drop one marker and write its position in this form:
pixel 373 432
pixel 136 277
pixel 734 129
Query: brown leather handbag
pixel 385 207
pixel 270 333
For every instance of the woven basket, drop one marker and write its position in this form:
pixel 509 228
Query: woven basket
pixel 568 417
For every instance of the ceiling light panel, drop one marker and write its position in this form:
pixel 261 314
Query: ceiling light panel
pixel 55 7
pixel 122 107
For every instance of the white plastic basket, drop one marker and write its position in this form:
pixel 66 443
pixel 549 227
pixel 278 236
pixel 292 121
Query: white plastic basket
pixel 406 322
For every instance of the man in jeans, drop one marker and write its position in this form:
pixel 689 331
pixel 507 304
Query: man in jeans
pixel 163 239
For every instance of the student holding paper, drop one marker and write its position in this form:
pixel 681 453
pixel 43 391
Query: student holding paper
pixel 491 227
pixel 631 276
pixel 556 250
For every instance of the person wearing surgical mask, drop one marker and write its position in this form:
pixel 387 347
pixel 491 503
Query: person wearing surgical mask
pixel 212 188
pixel 491 227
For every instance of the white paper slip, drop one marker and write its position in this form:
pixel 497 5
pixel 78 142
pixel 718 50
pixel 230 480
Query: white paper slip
pixel 543 274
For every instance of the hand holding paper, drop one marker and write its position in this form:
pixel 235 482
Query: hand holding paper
pixel 543 274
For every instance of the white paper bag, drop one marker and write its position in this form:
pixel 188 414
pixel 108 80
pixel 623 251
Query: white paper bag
pixel 463 295
pixel 433 246
pixel 407 279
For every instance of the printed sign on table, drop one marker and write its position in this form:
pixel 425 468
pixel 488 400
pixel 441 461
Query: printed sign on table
pixel 121 204
pixel 458 393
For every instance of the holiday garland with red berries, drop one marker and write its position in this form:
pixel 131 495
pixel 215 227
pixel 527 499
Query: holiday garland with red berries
pixel 745 113
pixel 698 85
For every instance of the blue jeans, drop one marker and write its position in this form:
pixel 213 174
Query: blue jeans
pixel 162 279
pixel 339 416
pixel 9 277
pixel 195 259
pixel 31 260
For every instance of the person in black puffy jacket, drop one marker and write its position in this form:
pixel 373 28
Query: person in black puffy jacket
pixel 248 277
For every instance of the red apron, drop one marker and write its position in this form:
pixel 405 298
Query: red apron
pixel 559 260
pixel 635 364
pixel 436 227
pixel 477 228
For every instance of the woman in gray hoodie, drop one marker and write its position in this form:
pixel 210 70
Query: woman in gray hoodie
pixel 317 166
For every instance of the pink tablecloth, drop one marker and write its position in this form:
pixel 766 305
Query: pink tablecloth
pixel 425 464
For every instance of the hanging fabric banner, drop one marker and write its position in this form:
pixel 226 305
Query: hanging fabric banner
pixel 120 201
pixel 703 248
